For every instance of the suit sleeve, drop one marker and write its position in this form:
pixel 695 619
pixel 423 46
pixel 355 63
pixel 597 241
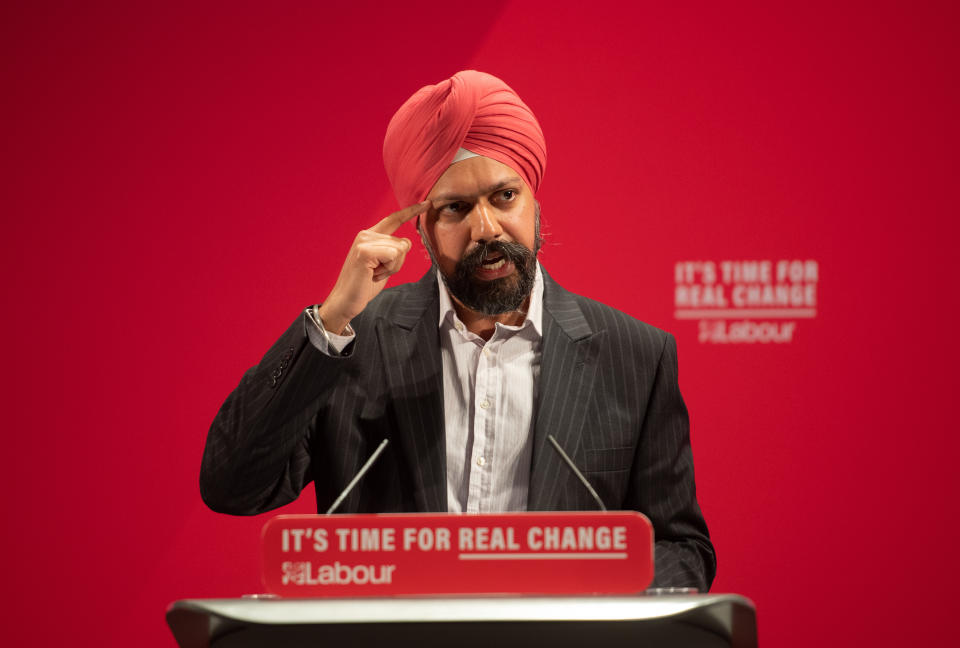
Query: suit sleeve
pixel 663 483
pixel 257 454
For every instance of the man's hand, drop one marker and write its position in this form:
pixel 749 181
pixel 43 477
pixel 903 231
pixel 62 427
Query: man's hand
pixel 374 256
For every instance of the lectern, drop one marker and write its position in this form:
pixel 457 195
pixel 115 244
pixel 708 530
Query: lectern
pixel 687 620
pixel 431 579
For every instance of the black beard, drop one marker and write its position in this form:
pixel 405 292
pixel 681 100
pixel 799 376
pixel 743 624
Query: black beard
pixel 498 296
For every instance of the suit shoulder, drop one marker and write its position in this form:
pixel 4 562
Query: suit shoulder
pixel 602 317
pixel 393 297
pixel 403 302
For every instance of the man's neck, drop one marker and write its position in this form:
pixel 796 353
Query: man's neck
pixel 485 325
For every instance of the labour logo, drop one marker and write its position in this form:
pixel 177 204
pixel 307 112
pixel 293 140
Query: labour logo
pixel 752 301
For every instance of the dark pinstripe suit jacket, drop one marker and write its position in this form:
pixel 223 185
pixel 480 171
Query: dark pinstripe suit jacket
pixel 608 393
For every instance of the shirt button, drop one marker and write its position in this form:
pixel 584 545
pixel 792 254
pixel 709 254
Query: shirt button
pixel 485 404
pixel 458 326
pixel 481 461
pixel 486 352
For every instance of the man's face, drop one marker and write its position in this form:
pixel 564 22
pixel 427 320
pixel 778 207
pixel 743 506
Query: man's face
pixel 482 233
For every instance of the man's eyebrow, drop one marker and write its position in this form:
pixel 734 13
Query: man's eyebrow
pixel 500 185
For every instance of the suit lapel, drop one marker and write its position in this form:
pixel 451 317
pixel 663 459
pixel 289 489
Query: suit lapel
pixel 567 372
pixel 410 344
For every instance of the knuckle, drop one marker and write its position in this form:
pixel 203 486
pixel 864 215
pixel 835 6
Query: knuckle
pixel 363 252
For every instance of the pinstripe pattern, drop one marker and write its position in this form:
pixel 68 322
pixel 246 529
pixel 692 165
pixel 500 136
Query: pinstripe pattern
pixel 608 393
pixel 610 396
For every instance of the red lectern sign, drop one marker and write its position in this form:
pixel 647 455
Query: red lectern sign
pixel 516 553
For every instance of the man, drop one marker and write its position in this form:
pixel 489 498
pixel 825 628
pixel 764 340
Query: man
pixel 467 371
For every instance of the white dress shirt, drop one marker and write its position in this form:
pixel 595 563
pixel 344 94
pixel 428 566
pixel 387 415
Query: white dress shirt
pixel 489 403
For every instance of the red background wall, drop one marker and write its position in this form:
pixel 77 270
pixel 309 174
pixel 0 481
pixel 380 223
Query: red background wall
pixel 178 181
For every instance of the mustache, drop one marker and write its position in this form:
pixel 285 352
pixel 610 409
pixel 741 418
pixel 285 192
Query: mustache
pixel 500 295
pixel 517 253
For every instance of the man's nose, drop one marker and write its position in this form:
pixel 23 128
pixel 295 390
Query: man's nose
pixel 484 224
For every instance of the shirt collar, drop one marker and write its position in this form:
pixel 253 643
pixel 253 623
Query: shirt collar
pixel 534 317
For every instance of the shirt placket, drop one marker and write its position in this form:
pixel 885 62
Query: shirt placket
pixel 484 429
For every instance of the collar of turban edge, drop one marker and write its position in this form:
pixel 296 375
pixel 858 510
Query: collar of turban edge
pixel 471 110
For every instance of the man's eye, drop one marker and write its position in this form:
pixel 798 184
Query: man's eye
pixel 508 194
pixel 452 208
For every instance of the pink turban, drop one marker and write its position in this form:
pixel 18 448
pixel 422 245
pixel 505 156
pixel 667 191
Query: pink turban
pixel 470 110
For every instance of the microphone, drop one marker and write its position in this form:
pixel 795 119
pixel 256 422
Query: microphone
pixel 363 471
pixel 583 480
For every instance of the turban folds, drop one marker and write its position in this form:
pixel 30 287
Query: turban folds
pixel 470 110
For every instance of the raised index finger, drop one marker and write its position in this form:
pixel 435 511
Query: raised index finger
pixel 391 223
